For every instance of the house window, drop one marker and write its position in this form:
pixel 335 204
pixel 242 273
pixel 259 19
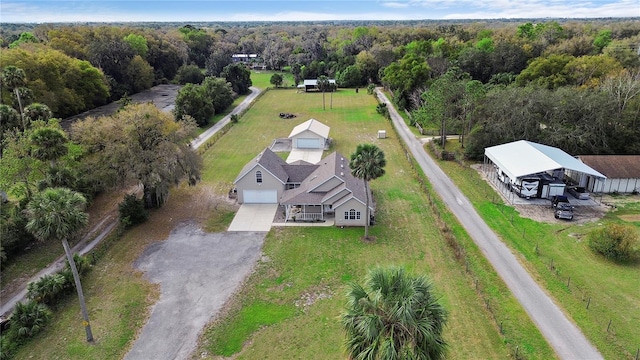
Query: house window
pixel 259 176
pixel 352 215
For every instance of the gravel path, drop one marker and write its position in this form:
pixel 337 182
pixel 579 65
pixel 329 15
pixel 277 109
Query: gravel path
pixel 561 333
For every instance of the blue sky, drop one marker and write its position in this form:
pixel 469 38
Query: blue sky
pixel 306 10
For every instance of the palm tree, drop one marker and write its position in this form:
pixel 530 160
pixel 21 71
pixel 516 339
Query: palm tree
pixel 37 111
pixel 367 163
pixel 14 78
pixel 49 144
pixel 394 316
pixel 57 214
pixel 323 85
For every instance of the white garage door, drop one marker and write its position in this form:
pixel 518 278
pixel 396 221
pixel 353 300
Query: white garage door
pixel 308 143
pixel 260 196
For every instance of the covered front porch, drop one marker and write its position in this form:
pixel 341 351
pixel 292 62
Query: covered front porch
pixel 308 212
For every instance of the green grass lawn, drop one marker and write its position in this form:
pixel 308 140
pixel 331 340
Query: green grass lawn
pixel 613 289
pixel 261 78
pixel 318 263
pixel 289 307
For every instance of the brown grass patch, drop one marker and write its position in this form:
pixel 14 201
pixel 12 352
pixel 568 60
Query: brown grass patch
pixel 630 217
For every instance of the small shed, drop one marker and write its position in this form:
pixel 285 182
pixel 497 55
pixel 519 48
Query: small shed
pixel 382 134
pixel 622 171
pixel 311 134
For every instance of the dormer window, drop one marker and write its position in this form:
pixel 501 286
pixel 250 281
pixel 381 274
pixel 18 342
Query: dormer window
pixel 259 177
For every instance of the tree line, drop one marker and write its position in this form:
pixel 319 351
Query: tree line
pixel 571 84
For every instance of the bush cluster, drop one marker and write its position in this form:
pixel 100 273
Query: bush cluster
pixel 382 109
pixel 32 316
pixel 132 211
pixel 616 242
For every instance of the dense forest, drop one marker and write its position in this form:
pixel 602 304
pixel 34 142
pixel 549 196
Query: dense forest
pixel 574 84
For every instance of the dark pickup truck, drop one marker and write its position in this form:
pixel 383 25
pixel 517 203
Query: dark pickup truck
pixel 562 208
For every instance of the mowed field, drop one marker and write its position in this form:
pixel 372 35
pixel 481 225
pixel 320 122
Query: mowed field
pixel 290 306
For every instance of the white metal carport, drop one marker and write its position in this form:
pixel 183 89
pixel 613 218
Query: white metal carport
pixel 522 158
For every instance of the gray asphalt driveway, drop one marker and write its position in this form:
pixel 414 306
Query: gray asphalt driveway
pixel 197 273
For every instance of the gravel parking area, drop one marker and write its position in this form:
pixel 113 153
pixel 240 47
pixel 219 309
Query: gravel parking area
pixel 198 273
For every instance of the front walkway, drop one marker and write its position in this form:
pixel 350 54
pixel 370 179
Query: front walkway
pixel 254 217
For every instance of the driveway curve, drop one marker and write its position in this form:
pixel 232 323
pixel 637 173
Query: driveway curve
pixel 561 333
pixel 197 272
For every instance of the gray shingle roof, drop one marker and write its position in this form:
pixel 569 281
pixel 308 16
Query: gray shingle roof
pixel 298 172
pixel 333 166
pixel 270 162
pixel 310 178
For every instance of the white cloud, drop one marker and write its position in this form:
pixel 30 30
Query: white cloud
pixel 395 5
pixel 314 16
pixel 555 9
pixel 114 10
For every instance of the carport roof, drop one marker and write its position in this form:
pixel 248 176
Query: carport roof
pixel 520 158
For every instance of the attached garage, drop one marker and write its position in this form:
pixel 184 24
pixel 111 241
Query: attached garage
pixel 260 196
pixel 306 143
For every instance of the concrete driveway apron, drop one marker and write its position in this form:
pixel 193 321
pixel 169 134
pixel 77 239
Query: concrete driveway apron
pixel 254 217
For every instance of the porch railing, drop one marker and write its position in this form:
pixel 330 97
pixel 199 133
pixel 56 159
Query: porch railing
pixel 306 216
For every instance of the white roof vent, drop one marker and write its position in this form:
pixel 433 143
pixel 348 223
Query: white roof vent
pixel 341 173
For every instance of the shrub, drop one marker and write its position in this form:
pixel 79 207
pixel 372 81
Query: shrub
pixel 82 264
pixel 48 288
pixel 28 319
pixel 8 346
pixel 371 89
pixel 615 242
pixel 383 110
pixel 132 211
